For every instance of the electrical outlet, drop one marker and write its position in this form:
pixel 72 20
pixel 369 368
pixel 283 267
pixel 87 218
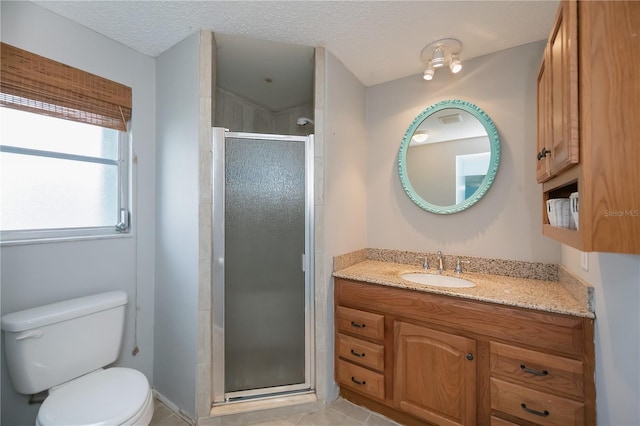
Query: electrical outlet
pixel 584 261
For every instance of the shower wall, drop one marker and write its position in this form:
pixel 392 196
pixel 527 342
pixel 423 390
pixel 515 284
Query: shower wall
pixel 241 115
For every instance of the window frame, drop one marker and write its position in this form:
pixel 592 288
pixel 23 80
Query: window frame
pixel 122 226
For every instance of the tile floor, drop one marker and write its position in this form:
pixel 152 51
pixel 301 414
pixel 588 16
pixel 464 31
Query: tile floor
pixel 339 413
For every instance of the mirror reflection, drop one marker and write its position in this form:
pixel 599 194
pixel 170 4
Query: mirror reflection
pixel 453 146
pixel 449 157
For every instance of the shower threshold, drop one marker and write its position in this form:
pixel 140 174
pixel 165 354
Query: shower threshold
pixel 288 402
pixel 242 398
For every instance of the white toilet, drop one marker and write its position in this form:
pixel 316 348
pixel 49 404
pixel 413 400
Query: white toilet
pixel 63 347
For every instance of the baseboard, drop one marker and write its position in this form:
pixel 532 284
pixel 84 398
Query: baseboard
pixel 173 407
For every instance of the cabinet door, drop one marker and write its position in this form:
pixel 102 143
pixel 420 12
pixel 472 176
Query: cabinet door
pixel 435 375
pixel 544 138
pixel 562 66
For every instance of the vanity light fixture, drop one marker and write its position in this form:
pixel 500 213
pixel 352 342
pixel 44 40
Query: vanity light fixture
pixel 439 53
pixel 420 136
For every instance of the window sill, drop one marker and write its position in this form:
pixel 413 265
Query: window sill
pixel 63 239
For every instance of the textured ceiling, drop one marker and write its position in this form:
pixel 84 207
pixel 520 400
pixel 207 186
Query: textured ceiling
pixel 378 41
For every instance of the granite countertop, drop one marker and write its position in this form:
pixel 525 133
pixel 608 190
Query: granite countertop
pixel 543 295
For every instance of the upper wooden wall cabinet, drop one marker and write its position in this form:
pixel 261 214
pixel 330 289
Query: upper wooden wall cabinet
pixel 589 123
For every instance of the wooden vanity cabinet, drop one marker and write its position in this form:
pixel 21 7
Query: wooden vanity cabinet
pixel 441 360
pixel 360 351
pixel 587 120
pixel 434 374
pixel 536 387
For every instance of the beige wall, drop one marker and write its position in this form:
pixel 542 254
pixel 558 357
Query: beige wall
pixel 506 223
pixel 343 226
pixel 616 281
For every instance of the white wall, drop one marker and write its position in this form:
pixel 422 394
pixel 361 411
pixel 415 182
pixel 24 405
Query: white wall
pixel 35 274
pixel 176 293
pixel 345 196
pixel 616 279
pixel 506 223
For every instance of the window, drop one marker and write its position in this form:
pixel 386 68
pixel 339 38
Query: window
pixel 60 178
pixel 64 150
pixel 471 170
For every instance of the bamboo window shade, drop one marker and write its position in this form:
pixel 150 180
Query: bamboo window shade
pixel 33 83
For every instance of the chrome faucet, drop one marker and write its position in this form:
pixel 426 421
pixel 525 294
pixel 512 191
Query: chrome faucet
pixel 425 264
pixel 459 265
pixel 440 266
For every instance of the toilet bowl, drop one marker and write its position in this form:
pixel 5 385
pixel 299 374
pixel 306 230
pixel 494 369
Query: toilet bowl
pixel 115 396
pixel 64 347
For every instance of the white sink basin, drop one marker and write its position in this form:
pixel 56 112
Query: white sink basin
pixel 437 280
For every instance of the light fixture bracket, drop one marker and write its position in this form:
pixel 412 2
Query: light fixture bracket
pixel 448 50
pixel 451 46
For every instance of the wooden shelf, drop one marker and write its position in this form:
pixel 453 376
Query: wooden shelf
pixel 570 237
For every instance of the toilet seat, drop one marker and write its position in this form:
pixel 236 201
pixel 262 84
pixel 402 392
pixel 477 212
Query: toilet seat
pixel 115 396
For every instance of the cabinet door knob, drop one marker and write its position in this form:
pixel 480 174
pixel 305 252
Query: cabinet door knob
pixel 543 153
pixel 470 356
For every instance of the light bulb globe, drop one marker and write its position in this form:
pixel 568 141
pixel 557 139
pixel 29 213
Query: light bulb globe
pixel 455 66
pixel 437 59
pixel 428 73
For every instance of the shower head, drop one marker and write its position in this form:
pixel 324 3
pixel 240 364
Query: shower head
pixel 303 121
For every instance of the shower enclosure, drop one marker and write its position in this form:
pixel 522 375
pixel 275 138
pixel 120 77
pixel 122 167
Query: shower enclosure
pixel 262 265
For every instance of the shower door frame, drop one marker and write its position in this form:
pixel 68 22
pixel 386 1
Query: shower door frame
pixel 219 395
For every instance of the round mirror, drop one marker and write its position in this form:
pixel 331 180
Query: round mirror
pixel 449 157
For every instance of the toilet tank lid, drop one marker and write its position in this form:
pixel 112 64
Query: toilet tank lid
pixel 61 311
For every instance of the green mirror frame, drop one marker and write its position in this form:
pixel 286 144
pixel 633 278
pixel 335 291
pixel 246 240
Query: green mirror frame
pixel 494 160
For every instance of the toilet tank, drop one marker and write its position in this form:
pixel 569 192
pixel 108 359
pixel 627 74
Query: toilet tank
pixel 52 344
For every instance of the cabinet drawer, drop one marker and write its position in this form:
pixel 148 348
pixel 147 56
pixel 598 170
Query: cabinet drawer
pixel 497 421
pixel 534 406
pixel 360 351
pixel 360 379
pixel 360 323
pixel 545 372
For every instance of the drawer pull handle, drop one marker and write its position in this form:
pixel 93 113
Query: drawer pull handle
pixel 355 324
pixel 353 379
pixel 533 371
pixel 357 354
pixel 544 413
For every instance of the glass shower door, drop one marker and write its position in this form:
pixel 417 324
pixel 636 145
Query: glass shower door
pixel 266 233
